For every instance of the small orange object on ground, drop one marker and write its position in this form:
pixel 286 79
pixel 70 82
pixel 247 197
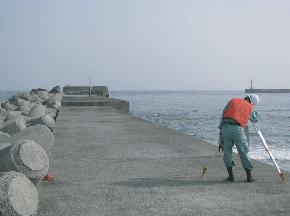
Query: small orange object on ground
pixel 49 177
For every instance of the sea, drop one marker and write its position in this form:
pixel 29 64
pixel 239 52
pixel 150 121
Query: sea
pixel 198 113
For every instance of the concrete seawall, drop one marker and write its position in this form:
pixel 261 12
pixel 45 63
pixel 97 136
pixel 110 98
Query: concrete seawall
pixel 108 162
pixel 84 90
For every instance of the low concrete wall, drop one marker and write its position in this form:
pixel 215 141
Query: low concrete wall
pixel 120 105
pixel 96 101
pixel 84 90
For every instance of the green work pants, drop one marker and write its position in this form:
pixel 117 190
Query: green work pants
pixel 234 134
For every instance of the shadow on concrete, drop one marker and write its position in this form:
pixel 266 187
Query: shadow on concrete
pixel 170 182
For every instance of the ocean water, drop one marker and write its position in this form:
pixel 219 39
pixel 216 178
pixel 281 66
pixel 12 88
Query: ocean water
pixel 198 113
pixel 5 95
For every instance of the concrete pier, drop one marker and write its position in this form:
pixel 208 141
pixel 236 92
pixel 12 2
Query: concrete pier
pixel 108 162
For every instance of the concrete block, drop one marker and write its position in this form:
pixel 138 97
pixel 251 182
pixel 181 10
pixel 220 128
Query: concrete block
pixel 51 112
pixel 46 120
pixel 37 111
pixel 55 89
pixel 53 98
pixel 26 157
pixel 7 112
pixel 43 95
pixel 38 133
pixel 20 102
pixel 9 106
pixel 18 196
pixel 24 110
pixel 32 104
pixel 4 145
pixel 33 96
pixel 3 135
pixel 26 96
pixel 11 115
pixel 57 96
pixel 14 126
pixel 2 111
pixel 37 90
pixel 15 96
pixel 56 106
pixel 53 104
pixel 38 100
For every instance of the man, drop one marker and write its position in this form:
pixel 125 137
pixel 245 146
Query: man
pixel 235 116
pixel 90 91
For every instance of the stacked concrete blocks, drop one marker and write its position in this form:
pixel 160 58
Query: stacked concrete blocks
pixel 26 157
pixel 26 124
pixel 28 109
pixel 40 134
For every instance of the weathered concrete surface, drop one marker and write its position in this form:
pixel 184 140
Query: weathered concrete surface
pixel 108 162
pixel 46 120
pixel 18 196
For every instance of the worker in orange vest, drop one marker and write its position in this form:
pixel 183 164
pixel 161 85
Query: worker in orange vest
pixel 235 116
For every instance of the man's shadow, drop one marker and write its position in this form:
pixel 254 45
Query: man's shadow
pixel 196 180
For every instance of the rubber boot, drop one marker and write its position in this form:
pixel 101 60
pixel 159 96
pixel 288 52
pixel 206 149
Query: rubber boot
pixel 231 175
pixel 249 175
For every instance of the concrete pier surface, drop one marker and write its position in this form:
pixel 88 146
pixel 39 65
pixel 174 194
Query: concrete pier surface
pixel 108 162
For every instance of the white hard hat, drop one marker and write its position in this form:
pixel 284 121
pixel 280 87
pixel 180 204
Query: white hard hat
pixel 254 99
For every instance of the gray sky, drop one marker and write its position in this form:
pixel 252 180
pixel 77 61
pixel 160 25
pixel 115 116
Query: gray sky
pixel 145 45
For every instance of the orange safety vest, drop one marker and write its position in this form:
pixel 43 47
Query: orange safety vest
pixel 240 110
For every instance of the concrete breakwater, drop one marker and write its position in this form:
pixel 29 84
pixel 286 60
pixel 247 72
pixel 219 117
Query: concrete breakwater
pixel 99 97
pixel 267 90
pixel 109 162
pixel 27 121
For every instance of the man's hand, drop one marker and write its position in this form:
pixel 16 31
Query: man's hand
pixel 220 143
pixel 221 148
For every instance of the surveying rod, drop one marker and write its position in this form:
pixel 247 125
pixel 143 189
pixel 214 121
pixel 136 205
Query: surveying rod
pixel 268 150
pixel 205 168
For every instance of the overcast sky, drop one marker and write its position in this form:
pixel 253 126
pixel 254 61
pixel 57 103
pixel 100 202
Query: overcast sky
pixel 145 45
